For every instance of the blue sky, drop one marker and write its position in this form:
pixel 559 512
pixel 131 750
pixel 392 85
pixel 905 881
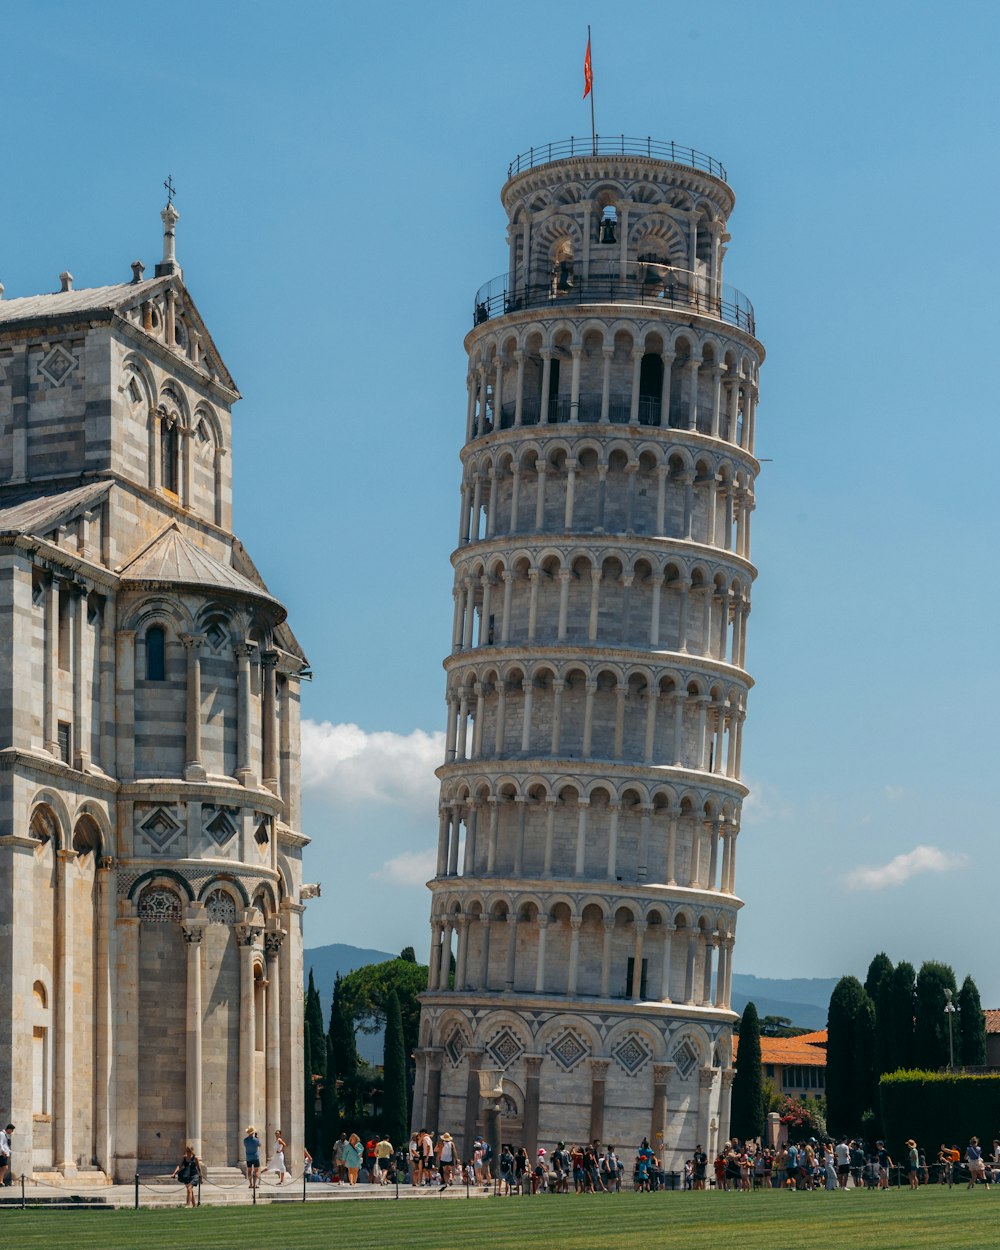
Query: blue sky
pixel 338 172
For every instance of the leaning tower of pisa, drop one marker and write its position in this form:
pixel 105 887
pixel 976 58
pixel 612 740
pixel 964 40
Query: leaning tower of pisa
pixel 584 906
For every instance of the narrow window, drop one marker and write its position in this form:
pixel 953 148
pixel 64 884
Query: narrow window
pixel 64 741
pixel 169 456
pixel 64 628
pixel 642 978
pixel 156 668
pixel 650 388
pixel 552 406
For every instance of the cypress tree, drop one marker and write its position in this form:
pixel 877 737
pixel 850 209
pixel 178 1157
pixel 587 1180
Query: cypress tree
pixel 314 1028
pixel 394 1102
pixel 747 1105
pixel 930 1030
pixel 902 1007
pixel 330 1114
pixel 850 1029
pixel 971 1051
pixel 878 987
pixel 865 1077
pixel 309 1092
pixel 343 1049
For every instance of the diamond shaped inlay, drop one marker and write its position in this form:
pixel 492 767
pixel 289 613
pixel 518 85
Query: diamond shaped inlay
pixel 567 1050
pixel 632 1053
pixel 454 1046
pixel 221 827
pixel 685 1058
pixel 57 365
pixel 505 1048
pixel 159 826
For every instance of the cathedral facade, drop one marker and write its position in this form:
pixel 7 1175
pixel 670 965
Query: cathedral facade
pixel 151 890
pixel 584 906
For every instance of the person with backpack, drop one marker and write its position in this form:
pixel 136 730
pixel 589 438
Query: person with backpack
pixel 188 1172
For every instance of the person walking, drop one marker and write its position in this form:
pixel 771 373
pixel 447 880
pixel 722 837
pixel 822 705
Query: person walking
pixel 188 1172
pixel 974 1160
pixel 445 1151
pixel 6 1145
pixel 278 1158
pixel 353 1153
pixel 251 1146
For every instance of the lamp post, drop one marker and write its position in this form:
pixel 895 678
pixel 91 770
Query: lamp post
pixel 949 1010
pixel 491 1091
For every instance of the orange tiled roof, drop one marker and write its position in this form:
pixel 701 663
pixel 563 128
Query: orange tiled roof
pixel 992 1015
pixel 807 1051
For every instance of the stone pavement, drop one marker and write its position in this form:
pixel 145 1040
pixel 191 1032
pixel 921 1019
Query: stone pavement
pixel 162 1193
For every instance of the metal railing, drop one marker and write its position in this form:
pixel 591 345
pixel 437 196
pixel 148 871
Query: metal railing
pixel 651 285
pixel 617 145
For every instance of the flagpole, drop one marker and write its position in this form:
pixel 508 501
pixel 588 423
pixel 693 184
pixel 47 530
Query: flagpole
pixel 593 128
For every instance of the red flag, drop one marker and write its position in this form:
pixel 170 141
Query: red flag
pixel 588 72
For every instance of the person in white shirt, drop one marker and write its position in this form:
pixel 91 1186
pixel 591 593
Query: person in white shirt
pixel 842 1152
pixel 5 1148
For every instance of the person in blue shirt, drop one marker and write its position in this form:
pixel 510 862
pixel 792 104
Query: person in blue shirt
pixel 251 1145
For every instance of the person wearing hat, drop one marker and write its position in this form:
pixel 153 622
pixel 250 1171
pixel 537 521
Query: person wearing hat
pixel 251 1145
pixel 445 1152
pixel 914 1162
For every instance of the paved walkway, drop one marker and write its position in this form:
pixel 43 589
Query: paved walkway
pixel 154 1193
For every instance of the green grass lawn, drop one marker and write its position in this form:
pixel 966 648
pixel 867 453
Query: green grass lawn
pixel 897 1220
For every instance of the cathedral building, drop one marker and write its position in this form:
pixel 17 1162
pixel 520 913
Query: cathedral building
pixel 151 890
pixel 584 906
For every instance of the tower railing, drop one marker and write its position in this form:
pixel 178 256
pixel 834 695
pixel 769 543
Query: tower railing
pixel 617 145
pixel 651 285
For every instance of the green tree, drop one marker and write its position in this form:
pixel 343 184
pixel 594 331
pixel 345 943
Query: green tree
pixel 314 1028
pixel 343 1049
pixel 409 954
pixel 878 987
pixel 365 993
pixel 747 1105
pixel 309 1093
pixel 330 1113
pixel 395 1104
pixel 971 1049
pixel 930 1030
pixel 899 1022
pixel 850 1041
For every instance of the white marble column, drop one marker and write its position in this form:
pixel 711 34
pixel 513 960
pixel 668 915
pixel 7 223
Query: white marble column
pixel 193 930
pixel 273 938
pixel 245 772
pixel 194 769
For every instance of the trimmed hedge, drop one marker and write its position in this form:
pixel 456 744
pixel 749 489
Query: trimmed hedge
pixel 932 1108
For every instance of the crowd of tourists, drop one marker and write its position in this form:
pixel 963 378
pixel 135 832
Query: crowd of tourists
pixel 430 1160
pixel 841 1164
pixel 434 1161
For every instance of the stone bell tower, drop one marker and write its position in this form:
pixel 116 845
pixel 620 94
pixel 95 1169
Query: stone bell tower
pixel 590 799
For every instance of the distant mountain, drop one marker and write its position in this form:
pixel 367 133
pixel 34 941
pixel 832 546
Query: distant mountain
pixel 327 962
pixel 803 1000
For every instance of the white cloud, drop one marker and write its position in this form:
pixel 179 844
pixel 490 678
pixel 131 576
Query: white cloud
pixel 900 869
pixel 893 793
pixel 409 868
pixel 343 764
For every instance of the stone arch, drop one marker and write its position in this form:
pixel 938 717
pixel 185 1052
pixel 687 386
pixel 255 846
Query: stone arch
pixel 49 819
